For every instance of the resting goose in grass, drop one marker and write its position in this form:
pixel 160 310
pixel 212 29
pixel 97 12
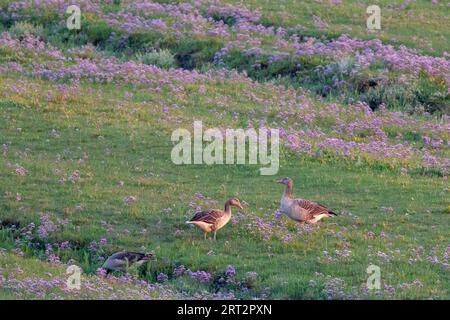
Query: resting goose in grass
pixel 120 261
pixel 214 219
pixel 299 209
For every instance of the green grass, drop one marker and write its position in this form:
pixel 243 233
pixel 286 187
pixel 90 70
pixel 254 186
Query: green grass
pixel 116 146
pixel 420 25
pixel 109 137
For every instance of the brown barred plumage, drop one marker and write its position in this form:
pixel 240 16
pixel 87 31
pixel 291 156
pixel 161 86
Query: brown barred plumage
pixel 299 209
pixel 210 216
pixel 214 219
pixel 313 209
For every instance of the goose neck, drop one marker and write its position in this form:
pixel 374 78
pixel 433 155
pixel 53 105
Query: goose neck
pixel 228 207
pixel 288 190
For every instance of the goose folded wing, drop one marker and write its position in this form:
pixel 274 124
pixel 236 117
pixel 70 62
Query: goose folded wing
pixel 209 216
pixel 313 209
pixel 129 256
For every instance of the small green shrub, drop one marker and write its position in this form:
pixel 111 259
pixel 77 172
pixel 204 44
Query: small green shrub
pixel 432 93
pixel 93 30
pixel 394 96
pixel 43 18
pixel 22 28
pixel 426 94
pixel 144 40
pixel 193 53
pixel 162 58
pixel 97 31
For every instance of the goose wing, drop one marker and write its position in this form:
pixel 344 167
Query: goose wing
pixel 130 256
pixel 208 216
pixel 119 260
pixel 312 209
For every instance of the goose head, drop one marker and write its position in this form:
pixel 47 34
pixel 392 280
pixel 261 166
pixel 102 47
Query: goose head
pixel 286 181
pixel 149 256
pixel 236 202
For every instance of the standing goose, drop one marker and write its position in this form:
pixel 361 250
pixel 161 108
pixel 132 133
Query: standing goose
pixel 299 209
pixel 120 261
pixel 214 219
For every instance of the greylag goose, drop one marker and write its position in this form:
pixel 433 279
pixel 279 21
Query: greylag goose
pixel 214 219
pixel 120 261
pixel 299 209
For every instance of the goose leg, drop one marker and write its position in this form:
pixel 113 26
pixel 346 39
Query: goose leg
pixel 205 233
pixel 215 235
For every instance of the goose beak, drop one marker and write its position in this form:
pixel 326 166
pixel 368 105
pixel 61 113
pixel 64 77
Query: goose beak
pixel 240 206
pixel 279 181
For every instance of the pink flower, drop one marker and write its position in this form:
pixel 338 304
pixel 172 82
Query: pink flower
pixel 75 176
pixel 162 277
pixel 130 200
pixel 21 171
pixel 102 273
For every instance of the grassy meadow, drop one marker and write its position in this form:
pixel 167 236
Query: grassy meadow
pixel 417 24
pixel 85 166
